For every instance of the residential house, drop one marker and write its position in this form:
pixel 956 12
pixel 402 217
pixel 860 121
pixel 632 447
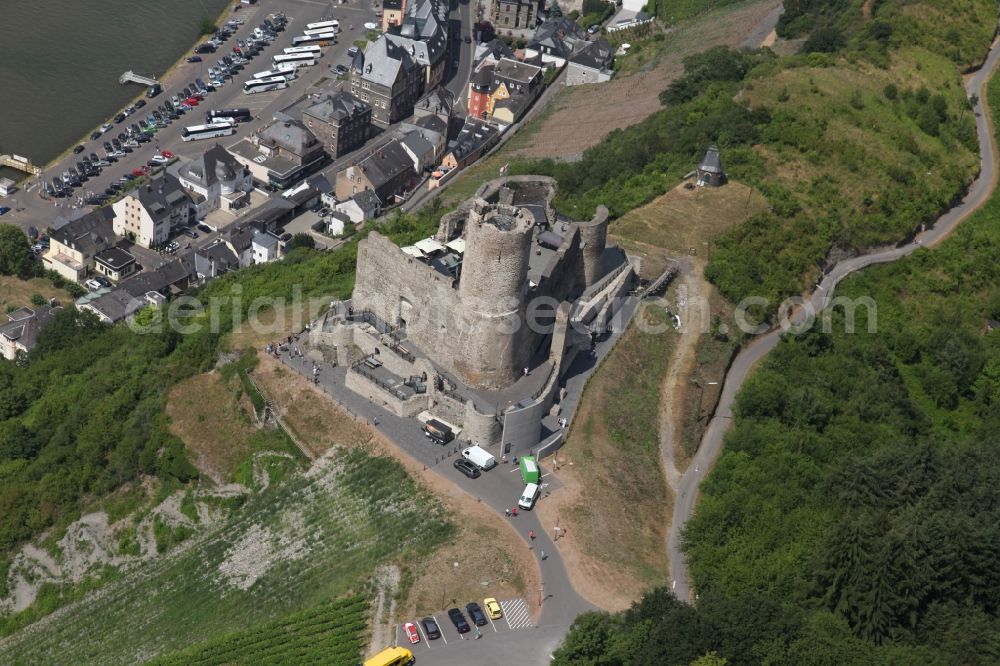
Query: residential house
pixel 362 206
pixel 392 13
pixel 264 247
pixel 140 291
pixel 115 263
pixel 216 180
pixel 475 139
pixel 336 223
pixel 20 333
pixel 387 76
pixel 388 171
pixel 480 86
pixel 240 241
pixel 150 212
pixel 554 41
pixel 212 261
pixel 514 14
pixel 424 34
pixel 73 245
pixel 339 120
pixel 514 80
pixel 431 129
pixel 490 52
pixel 280 153
pixel 591 64
pixel 421 148
pixel 436 111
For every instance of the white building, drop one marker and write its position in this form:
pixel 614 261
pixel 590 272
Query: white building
pixel 265 248
pixel 216 180
pixel 151 211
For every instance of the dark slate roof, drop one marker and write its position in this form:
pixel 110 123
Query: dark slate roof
pixel 114 258
pixel 594 55
pixel 494 49
pixel 118 304
pixel 711 163
pixel 432 123
pixel 88 233
pixel 290 135
pixel 367 201
pixel 337 108
pixel 417 143
pixel 25 324
pixel 482 81
pixel 215 165
pixel 385 163
pixel 474 134
pixel 242 238
pixel 508 69
pixel 438 101
pixel 516 103
pixel 383 61
pixel 161 195
pixel 558 34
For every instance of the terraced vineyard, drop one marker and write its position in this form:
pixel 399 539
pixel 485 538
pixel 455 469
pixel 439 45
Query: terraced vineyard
pixel 300 544
pixel 325 634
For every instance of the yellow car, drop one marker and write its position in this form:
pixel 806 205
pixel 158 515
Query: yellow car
pixel 493 608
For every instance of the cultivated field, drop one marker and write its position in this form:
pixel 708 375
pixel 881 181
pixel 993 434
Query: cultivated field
pixel 313 538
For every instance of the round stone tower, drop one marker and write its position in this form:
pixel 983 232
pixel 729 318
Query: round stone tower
pixel 593 240
pixel 492 290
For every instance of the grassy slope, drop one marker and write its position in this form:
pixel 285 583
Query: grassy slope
pixel 619 520
pixel 317 537
pixel 827 414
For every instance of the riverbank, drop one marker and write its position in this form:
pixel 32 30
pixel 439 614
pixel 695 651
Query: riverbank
pixel 164 80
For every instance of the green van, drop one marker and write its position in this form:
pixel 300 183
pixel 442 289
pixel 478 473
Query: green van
pixel 529 470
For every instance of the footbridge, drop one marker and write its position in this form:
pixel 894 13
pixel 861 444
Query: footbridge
pixel 132 77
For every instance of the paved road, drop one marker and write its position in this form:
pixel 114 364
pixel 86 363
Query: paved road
pixel 711 443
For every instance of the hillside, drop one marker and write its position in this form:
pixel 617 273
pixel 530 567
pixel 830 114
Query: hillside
pixel 852 517
pixel 854 144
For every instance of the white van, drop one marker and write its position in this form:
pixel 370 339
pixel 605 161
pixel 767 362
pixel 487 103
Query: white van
pixel 480 457
pixel 529 496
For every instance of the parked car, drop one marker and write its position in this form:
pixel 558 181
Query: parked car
pixel 594 29
pixel 92 284
pixel 4 210
pixel 194 58
pixel 493 608
pixel 205 228
pixel 119 118
pixel 79 149
pixel 431 628
pixel 95 134
pixel 476 613
pixel 467 468
pixel 191 233
pixel 411 632
pixel 139 103
pixel 457 619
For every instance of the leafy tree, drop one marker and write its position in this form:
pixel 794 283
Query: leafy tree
pixel 824 40
pixel 302 240
pixel 15 253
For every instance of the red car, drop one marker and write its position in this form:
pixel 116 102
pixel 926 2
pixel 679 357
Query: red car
pixel 411 632
pixel 191 101
pixel 166 153
pixel 138 172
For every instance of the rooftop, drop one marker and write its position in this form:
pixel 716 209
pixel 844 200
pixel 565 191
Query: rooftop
pixel 274 163
pixel 337 108
pixel 114 258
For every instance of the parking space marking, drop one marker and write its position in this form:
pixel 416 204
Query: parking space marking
pixel 491 624
pixel 440 629
pixel 423 634
pixel 516 612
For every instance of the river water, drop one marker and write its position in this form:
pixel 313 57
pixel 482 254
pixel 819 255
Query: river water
pixel 60 61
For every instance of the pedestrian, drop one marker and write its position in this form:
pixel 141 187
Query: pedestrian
pixel 531 534
pixel 515 460
pixel 525 371
pixel 375 420
pixel 507 512
pixel 513 512
pixel 543 554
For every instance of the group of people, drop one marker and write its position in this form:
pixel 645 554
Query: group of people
pixel 511 513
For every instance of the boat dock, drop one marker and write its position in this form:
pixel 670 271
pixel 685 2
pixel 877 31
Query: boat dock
pixel 20 163
pixel 132 77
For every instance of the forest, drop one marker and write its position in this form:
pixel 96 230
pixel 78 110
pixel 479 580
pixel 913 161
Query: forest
pixel 854 515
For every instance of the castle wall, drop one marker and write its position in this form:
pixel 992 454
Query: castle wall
pixel 480 427
pixel 594 238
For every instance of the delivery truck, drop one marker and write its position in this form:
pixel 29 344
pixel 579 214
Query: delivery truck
pixel 529 470
pixel 480 457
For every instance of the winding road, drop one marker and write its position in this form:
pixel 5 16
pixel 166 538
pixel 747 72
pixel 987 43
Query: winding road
pixel 711 443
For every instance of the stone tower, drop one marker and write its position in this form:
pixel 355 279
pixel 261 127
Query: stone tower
pixel 492 292
pixel 593 241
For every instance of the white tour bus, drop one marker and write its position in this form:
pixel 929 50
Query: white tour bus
pixel 209 131
pixel 317 31
pixel 295 60
pixel 297 50
pixel 322 25
pixel 265 85
pixel 314 39
pixel 287 71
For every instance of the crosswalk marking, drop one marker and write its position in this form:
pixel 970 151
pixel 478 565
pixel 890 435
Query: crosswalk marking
pixel 516 612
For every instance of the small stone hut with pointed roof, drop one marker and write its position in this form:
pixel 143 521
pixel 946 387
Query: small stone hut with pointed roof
pixel 710 171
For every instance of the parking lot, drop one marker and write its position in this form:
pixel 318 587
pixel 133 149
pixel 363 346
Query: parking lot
pixel 516 616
